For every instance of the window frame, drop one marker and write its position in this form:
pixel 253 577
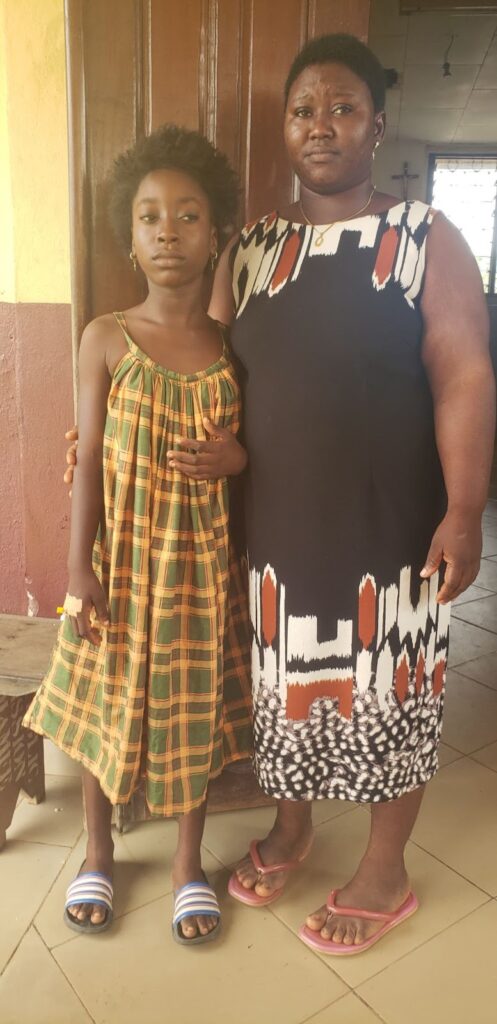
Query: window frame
pixel 466 155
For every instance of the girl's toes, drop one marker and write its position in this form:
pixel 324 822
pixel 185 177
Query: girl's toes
pixel 350 935
pixel 203 926
pixel 98 915
pixel 74 911
pixel 189 930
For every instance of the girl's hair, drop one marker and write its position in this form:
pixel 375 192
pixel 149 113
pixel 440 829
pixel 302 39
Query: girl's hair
pixel 340 48
pixel 178 149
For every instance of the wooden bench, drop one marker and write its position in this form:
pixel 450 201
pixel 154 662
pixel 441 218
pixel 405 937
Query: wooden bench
pixel 25 648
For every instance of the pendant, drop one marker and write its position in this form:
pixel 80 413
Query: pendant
pixel 319 241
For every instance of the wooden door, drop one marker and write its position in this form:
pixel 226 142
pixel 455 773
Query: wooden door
pixel 218 66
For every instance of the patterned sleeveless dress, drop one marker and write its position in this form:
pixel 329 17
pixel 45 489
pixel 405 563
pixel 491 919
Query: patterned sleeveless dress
pixel 344 492
pixel 166 697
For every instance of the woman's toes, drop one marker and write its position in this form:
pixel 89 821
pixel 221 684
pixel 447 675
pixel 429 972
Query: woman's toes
pixel 317 920
pixel 350 934
pixel 335 931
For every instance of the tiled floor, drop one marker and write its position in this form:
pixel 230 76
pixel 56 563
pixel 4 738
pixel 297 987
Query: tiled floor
pixel 439 968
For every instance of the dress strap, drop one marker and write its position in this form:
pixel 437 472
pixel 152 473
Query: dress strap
pixel 121 320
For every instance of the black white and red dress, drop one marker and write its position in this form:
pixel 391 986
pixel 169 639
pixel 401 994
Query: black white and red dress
pixel 343 494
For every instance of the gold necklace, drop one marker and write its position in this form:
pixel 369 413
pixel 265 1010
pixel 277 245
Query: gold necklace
pixel 321 234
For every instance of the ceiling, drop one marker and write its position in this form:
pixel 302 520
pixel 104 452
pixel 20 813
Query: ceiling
pixel 424 105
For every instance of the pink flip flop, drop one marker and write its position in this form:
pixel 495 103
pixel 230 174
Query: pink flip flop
pixel 249 896
pixel 315 940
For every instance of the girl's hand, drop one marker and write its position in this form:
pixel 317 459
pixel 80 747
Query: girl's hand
pixel 71 456
pixel 458 542
pixel 85 586
pixel 207 460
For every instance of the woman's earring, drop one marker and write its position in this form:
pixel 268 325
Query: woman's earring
pixel 132 257
pixel 214 256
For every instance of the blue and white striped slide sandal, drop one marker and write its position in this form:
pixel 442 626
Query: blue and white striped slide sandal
pixel 89 887
pixel 194 900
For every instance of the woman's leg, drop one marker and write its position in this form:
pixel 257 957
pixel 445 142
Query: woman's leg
pixel 187 866
pixel 380 882
pixel 100 847
pixel 289 839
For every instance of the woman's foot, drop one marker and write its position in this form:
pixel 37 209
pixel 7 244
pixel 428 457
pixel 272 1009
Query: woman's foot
pixel 374 887
pixel 287 841
pixel 185 871
pixel 98 858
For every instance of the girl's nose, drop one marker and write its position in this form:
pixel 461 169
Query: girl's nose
pixel 167 230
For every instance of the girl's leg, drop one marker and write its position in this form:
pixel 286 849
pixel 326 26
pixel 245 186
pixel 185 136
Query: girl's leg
pixel 380 882
pixel 187 866
pixel 289 839
pixel 100 847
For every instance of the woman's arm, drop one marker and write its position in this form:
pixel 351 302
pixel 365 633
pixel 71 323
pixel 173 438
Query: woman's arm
pixel 87 500
pixel 457 360
pixel 222 305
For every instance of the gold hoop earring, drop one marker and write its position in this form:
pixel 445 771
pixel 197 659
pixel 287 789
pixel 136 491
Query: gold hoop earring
pixel 213 259
pixel 132 257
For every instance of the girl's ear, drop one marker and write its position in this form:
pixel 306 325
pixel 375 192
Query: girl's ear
pixel 214 243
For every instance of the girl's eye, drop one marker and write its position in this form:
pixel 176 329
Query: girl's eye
pixel 189 217
pixel 303 112
pixel 148 218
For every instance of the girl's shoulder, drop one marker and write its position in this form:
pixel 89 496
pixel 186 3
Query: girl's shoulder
pixel 102 340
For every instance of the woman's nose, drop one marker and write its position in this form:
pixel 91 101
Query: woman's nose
pixel 322 126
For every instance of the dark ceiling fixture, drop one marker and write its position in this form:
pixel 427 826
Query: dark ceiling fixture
pixel 446 72
pixel 391 78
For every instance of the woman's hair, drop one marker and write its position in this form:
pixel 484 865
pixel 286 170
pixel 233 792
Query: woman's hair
pixel 178 149
pixel 341 48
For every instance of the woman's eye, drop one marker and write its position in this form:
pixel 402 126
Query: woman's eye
pixel 303 112
pixel 148 218
pixel 342 108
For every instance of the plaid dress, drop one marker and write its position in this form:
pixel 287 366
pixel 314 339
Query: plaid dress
pixel 166 696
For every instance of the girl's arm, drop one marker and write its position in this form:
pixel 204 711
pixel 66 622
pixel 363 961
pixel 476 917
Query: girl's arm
pixel 87 500
pixel 457 360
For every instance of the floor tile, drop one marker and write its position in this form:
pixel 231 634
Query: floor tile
pixel 228 835
pixel 489 546
pixel 142 873
pixel 470 714
pixel 487 756
pixel 59 763
pixel 58 820
pixel 348 1010
pixel 487 576
pixel 211 983
pixel 483 669
pixel 33 989
pixel 481 613
pixel 446 754
pixel 27 870
pixel 450 979
pixel 468 642
pixel 443 895
pixel 458 823
pixel 473 593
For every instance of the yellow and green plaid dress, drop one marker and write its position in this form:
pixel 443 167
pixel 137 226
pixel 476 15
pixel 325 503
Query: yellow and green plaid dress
pixel 167 694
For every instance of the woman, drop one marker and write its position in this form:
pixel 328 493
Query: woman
pixel 361 331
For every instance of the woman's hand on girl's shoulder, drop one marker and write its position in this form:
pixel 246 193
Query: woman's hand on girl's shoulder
pixel 222 456
pixel 222 304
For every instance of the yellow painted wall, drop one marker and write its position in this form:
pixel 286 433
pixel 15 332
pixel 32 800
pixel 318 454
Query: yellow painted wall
pixel 33 152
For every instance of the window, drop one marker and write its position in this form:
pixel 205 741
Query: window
pixel 465 189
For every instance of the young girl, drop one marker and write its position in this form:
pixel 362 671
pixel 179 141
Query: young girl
pixel 150 675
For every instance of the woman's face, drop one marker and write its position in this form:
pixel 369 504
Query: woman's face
pixel 330 128
pixel 173 234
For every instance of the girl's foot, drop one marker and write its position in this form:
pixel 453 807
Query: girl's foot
pixel 284 843
pixel 184 872
pixel 97 859
pixel 372 888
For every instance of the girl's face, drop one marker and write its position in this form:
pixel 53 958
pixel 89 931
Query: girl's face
pixel 172 229
pixel 330 128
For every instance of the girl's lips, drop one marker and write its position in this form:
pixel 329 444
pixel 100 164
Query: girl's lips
pixel 168 257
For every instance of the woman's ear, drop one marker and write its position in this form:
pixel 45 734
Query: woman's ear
pixel 379 126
